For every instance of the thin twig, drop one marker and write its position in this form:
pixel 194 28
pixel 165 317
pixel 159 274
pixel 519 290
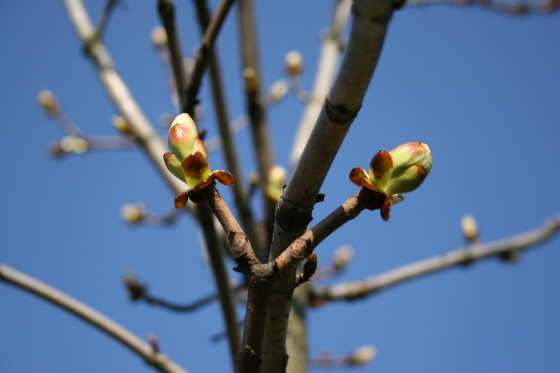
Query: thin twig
pixel 104 19
pixel 158 360
pixel 166 10
pixel 250 357
pixel 241 196
pixel 203 56
pixel 225 291
pixel 519 8
pixel 361 288
pixel 262 143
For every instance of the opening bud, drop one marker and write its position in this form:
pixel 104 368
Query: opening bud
pixel 412 163
pixel 182 135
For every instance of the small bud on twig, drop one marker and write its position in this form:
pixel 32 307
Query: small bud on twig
pixel 362 355
pixel 294 63
pixel 159 36
pixel 49 102
pixel 133 213
pixel 470 229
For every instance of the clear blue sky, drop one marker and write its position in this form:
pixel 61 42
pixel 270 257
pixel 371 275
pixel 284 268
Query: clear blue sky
pixel 480 88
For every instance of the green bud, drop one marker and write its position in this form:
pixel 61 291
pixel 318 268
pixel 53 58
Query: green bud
pixel 401 170
pixel 181 137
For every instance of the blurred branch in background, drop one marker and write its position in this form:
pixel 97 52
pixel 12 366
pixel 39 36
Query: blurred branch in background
pixel 146 351
pixel 361 288
pixel 513 8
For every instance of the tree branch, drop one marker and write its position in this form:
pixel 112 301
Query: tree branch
pixel 326 68
pixel 158 360
pixel 369 26
pixel 203 56
pixel 519 8
pixel 256 109
pixel 361 288
pixel 258 274
pixel 166 10
pixel 230 152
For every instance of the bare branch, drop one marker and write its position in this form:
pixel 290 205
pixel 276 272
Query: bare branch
pixel 118 91
pixel 104 19
pixel 166 10
pixel 361 288
pixel 203 56
pixel 158 360
pixel 326 68
pixel 262 143
pixel 519 8
pixel 230 152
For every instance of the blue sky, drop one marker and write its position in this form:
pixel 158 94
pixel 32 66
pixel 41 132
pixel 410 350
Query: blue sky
pixel 480 88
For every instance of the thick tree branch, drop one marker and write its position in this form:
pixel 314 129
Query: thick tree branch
pixel 361 288
pixel 258 274
pixel 326 67
pixel 203 56
pixel 369 26
pixel 158 360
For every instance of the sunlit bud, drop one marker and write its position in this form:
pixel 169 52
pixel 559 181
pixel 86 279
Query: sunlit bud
pixel 74 144
pixel 294 63
pixel 121 125
pixel 159 36
pixel 412 163
pixel 275 183
pixel 252 84
pixel 469 228
pixel 278 90
pixel 342 256
pixel 182 135
pixel 363 355
pixel 48 102
pixel 133 213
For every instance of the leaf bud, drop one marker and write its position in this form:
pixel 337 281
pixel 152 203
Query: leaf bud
pixel 74 144
pixel 159 36
pixel 294 63
pixel 363 355
pixel 48 102
pixel 275 184
pixel 412 163
pixel 133 213
pixel 469 228
pixel 278 90
pixel 182 135
pixel 252 84
pixel 342 256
